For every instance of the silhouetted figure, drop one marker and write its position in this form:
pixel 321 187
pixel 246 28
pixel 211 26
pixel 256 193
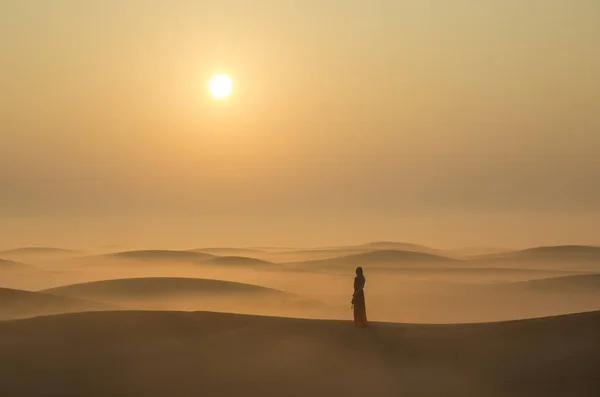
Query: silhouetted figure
pixel 358 299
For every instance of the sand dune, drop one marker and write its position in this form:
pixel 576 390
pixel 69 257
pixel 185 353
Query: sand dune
pixel 170 293
pixel 147 257
pixel 475 275
pixel 457 303
pixel 12 265
pixel 161 255
pixel 157 286
pixel 564 254
pixel 319 253
pixel 20 304
pixel 239 261
pixel 188 354
pixel 394 245
pixel 574 284
pixel 286 254
pixel 8 267
pixel 38 251
pixel 579 251
pixel 313 254
pixel 379 258
pixel 224 251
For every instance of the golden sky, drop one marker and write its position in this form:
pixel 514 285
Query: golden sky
pixel 449 123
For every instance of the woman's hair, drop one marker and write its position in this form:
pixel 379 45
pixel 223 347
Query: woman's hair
pixel 359 271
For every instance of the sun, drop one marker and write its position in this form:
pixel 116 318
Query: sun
pixel 220 86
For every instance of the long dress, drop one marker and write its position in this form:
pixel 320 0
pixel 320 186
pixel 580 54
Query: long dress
pixel 360 308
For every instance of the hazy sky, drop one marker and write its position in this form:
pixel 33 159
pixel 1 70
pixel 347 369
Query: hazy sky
pixel 448 123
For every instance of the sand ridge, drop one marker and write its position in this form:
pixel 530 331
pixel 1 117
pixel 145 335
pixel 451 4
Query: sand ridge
pixel 174 353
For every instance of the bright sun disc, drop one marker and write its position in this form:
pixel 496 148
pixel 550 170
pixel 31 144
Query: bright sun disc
pixel 220 86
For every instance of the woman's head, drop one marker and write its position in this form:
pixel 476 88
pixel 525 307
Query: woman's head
pixel 359 271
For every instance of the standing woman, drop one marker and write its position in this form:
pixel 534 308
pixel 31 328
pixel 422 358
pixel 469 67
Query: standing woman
pixel 358 299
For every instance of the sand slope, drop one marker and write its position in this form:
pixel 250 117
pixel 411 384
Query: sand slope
pixel 239 261
pixel 160 255
pixel 394 245
pixel 6 265
pixel 46 252
pixel 566 256
pixel 210 354
pixel 379 258
pixel 171 293
pixel 225 251
pixel 560 252
pixel 21 304
pixel 457 303
pixel 157 286
pixel 143 258
pixel 573 284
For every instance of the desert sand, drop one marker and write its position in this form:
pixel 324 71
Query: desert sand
pixel 190 354
pixel 269 321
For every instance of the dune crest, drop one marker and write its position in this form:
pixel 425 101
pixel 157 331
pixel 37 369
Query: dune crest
pixel 172 353
pixel 20 304
pixel 172 293
pixel 380 257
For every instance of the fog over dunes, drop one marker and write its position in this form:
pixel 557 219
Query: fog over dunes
pixel 381 258
pixel 573 284
pixel 296 254
pixel 8 267
pixel 551 253
pixel 194 183
pixel 144 257
pixel 580 252
pixel 573 257
pixel 12 265
pixel 39 255
pixel 172 293
pixel 462 302
pixel 20 304
pixel 38 251
pixel 157 286
pixel 161 255
pixel 239 261
pixel 394 245
pixel 153 354
pixel 224 251
pixel 477 275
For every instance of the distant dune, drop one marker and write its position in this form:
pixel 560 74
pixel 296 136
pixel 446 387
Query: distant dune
pixel 552 253
pixel 156 287
pixel 239 261
pixel 380 258
pixel 570 251
pixel 459 303
pixel 151 354
pixel 247 252
pixel 150 256
pixel 394 245
pixel 314 254
pixel 5 264
pixel 11 266
pixel 47 252
pixel 567 284
pixel 171 293
pixel 477 275
pixel 568 257
pixel 20 304
pixel 320 253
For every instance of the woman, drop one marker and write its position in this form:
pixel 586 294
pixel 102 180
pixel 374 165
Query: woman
pixel 358 299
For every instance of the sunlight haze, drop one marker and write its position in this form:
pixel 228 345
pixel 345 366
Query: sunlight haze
pixel 451 123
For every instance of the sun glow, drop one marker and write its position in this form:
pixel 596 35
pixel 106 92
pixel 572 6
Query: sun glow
pixel 220 86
